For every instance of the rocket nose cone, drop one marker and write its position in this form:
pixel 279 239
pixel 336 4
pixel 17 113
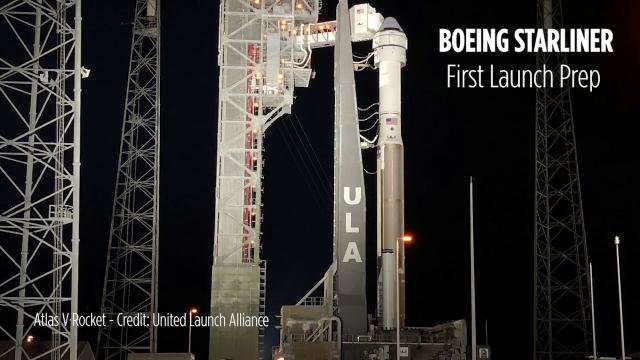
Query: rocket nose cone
pixel 390 23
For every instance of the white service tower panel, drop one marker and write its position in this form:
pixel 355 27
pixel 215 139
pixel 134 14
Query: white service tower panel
pixel 259 68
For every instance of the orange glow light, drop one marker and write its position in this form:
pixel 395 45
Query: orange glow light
pixel 194 310
pixel 30 338
pixel 407 238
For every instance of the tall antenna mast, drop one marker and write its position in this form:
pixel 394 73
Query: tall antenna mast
pixel 562 317
pixel 40 86
pixel 131 275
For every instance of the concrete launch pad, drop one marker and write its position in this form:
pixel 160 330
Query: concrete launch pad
pixel 309 332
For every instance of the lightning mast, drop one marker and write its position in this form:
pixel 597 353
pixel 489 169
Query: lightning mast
pixel 561 303
pixel 260 64
pixel 40 86
pixel 131 275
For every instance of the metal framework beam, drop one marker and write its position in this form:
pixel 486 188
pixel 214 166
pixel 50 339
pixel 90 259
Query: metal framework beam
pixel 561 303
pixel 40 86
pixel 131 275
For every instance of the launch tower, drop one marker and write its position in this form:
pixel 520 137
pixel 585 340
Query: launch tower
pixel 40 86
pixel 131 274
pixel 562 315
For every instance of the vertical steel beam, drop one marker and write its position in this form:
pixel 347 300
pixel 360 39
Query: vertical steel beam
pixel 28 191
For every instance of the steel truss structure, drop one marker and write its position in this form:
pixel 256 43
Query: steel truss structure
pixel 40 86
pixel 260 64
pixel 131 275
pixel 562 328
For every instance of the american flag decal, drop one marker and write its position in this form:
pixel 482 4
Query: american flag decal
pixel 393 121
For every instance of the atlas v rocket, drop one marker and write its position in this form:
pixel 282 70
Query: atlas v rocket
pixel 266 49
pixel 390 46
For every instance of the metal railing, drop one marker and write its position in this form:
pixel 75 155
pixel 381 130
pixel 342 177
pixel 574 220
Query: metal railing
pixel 391 338
pixel 313 301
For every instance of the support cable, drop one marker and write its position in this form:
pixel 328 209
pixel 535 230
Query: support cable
pixel 303 172
pixel 315 159
pixel 371 127
pixel 369 117
pixel 368 107
pixel 320 194
pixel 323 187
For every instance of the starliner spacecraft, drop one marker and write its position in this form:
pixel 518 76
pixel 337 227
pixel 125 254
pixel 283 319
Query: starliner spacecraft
pixel 265 52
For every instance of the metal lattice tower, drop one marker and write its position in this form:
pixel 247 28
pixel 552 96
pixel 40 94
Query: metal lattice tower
pixel 562 327
pixel 40 86
pixel 260 64
pixel 131 275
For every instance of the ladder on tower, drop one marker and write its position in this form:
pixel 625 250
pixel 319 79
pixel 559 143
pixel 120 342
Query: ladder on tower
pixel 262 306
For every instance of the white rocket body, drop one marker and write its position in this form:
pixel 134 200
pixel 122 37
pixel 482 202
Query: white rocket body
pixel 390 46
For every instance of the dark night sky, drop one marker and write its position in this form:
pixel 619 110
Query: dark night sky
pixel 449 134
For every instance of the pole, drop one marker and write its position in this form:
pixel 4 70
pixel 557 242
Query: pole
pixel 398 241
pixel 617 242
pixel 486 331
pixel 75 227
pixel 28 192
pixel 593 313
pixel 190 315
pixel 474 351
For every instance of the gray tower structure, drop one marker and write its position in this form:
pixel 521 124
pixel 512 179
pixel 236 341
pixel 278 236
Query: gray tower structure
pixel 131 274
pixel 40 87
